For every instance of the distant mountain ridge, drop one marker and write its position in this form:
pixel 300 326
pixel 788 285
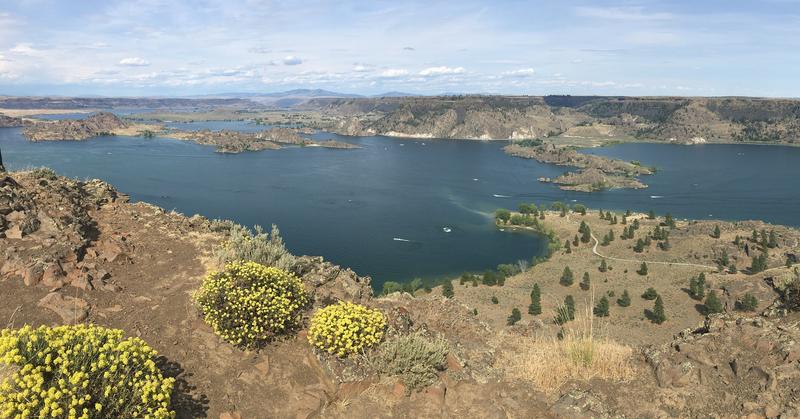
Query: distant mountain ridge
pixel 676 119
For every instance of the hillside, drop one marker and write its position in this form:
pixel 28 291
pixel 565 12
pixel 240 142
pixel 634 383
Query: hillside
pixel 677 119
pixel 78 251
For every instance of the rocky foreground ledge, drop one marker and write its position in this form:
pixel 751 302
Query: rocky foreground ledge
pixel 75 251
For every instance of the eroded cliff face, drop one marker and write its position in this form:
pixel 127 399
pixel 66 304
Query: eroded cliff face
pixel 101 123
pixel 509 117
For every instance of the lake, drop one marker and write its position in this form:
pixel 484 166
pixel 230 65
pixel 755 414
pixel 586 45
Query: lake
pixel 384 209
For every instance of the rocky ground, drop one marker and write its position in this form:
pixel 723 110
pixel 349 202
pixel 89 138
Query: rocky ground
pixel 77 251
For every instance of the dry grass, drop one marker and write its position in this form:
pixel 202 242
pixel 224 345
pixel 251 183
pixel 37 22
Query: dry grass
pixel 581 354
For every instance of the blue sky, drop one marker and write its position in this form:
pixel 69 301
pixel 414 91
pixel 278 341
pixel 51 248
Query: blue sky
pixel 182 47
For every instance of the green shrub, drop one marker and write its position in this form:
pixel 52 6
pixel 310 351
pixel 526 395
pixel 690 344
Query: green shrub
pixel 514 317
pixel 44 173
pixel 585 282
pixel 80 371
pixel 535 308
pixel 414 358
pixel 495 300
pixel 624 300
pixel 346 328
pixel 601 309
pixel 712 303
pixel 248 304
pixel 749 302
pixel 260 247
pixel 650 294
pixel 447 289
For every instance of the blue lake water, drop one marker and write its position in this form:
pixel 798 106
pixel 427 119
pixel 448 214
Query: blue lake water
pixel 381 209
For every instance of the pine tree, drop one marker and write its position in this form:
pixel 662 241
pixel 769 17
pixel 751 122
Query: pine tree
pixel 447 289
pixel 627 213
pixel 514 317
pixel 748 303
pixel 602 215
pixel 732 268
pixel 614 220
pixel 759 263
pixel 567 278
pixel 738 240
pixel 697 287
pixel 773 240
pixel 642 269
pixel 651 215
pixel 712 304
pixel 624 220
pixel 669 221
pixel 585 283
pixel 624 300
pixel 575 241
pixel 603 266
pixel 535 308
pixel 567 247
pixel 569 303
pixel 658 311
pixel 639 247
pixel 716 233
pixel 601 309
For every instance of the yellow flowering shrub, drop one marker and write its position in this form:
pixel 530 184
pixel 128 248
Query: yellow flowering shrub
pixel 80 371
pixel 346 328
pixel 247 303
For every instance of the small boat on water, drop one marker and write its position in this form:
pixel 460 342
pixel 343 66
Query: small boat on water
pixel 447 229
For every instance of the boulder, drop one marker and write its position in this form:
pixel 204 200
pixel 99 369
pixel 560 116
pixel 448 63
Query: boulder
pixel 71 310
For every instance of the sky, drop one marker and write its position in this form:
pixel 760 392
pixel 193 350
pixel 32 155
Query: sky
pixel 197 47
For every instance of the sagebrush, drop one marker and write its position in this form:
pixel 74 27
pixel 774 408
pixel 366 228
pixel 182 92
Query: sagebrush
pixel 257 246
pixel 414 358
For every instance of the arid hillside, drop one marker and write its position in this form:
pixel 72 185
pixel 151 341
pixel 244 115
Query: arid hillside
pixel 78 252
pixel 678 119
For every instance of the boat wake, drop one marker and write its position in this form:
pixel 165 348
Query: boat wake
pixel 398 239
pixel 656 196
pixel 500 196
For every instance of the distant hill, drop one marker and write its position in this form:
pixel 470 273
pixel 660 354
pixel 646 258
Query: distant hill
pixel 676 119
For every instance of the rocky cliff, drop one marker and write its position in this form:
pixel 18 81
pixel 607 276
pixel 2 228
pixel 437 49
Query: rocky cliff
pixel 508 117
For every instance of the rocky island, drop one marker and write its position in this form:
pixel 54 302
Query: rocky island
pixel 226 141
pixel 11 122
pixel 596 172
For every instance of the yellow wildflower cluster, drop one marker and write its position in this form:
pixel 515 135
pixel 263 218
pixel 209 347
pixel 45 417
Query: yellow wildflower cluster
pixel 247 304
pixel 346 328
pixel 80 372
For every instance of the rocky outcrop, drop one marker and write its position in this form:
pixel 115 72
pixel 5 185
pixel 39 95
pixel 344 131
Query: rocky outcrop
pixel 101 123
pixel 50 239
pixel 597 173
pixel 732 366
pixel 11 122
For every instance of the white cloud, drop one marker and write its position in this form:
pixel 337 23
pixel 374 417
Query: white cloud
pixel 437 71
pixel 522 72
pixel 25 48
pixel 134 62
pixel 292 60
pixel 361 68
pixel 621 13
pixel 394 72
